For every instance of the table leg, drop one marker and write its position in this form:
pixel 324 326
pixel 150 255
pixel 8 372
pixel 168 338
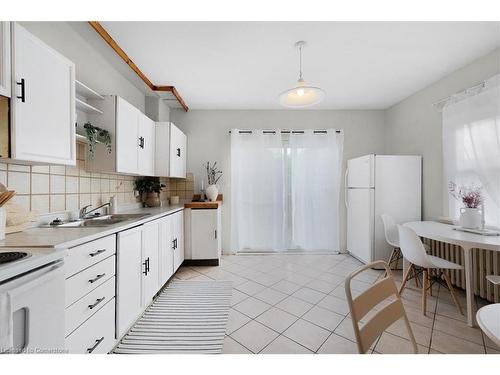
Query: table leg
pixel 469 288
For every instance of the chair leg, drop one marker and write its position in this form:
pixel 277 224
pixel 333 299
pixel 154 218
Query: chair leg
pixel 415 277
pixel 452 292
pixel 405 278
pixel 429 278
pixel 424 291
pixel 389 262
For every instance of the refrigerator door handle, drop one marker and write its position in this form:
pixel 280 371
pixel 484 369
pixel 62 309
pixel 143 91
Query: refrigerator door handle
pixel 345 187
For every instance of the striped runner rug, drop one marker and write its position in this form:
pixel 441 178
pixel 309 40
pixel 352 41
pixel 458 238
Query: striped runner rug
pixel 187 317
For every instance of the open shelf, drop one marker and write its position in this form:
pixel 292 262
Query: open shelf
pixel 86 92
pixel 85 107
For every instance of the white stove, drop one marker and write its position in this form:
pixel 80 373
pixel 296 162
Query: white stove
pixel 17 261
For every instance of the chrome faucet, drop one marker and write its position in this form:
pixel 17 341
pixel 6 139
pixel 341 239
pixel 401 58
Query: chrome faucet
pixel 84 213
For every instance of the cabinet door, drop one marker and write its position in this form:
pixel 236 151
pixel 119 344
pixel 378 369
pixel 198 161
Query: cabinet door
pixel 43 107
pixel 204 236
pixel 166 252
pixel 162 149
pixel 146 145
pixel 177 152
pixel 127 137
pixel 150 260
pixel 178 231
pixel 128 279
pixel 5 77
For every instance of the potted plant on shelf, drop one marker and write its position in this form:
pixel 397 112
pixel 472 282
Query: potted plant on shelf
pixel 214 176
pixel 95 134
pixel 149 188
pixel 470 215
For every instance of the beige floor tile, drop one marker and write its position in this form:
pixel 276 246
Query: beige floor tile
pixel 250 288
pixel 422 334
pixel 321 286
pixel 309 295
pixel 391 344
pixel 458 328
pixel 286 286
pixel 336 344
pixel 254 336
pixel 416 316
pixel 450 311
pixel 294 306
pixel 235 321
pixel 324 318
pixel 276 319
pixel 299 279
pixel 233 347
pixel 345 329
pixel 492 351
pixel 283 345
pixel 271 296
pixel 252 307
pixel 237 297
pixel 307 334
pixel 334 304
pixel 331 278
pixel 453 345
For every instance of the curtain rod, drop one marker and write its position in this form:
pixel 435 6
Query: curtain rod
pixel 286 131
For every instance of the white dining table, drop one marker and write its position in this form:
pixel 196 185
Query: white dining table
pixel 467 241
pixel 488 318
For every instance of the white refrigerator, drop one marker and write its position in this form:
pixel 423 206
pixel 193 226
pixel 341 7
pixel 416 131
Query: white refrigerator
pixel 375 185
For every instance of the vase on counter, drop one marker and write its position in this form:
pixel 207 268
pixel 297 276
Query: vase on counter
pixel 152 199
pixel 470 218
pixel 212 192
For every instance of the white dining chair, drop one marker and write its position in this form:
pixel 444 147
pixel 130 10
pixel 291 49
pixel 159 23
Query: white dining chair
pixel 414 251
pixel 382 290
pixel 392 238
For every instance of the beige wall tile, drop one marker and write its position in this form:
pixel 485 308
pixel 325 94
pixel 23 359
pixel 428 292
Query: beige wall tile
pixel 71 185
pixel 57 169
pixel 84 185
pixel 39 183
pixel 3 177
pixel 72 202
pixel 95 200
pixel 18 168
pixel 57 184
pixel 104 185
pixel 57 202
pixel 40 169
pixel 72 170
pixel 40 203
pixel 95 185
pixel 20 182
pixel 84 200
pixel 3 167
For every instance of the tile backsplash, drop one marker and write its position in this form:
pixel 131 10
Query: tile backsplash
pixel 46 189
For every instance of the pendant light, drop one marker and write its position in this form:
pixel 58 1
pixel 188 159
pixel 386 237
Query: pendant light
pixel 301 95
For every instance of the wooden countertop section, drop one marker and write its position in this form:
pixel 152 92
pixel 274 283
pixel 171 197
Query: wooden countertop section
pixel 204 205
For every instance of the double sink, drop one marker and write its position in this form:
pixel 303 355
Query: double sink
pixel 99 221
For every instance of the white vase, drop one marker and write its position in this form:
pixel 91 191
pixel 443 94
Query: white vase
pixel 470 218
pixel 212 192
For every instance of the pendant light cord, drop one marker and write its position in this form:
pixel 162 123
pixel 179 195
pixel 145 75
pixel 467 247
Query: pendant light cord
pixel 300 62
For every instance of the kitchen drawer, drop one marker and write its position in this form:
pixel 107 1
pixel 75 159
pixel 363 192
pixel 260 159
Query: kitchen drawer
pixel 84 256
pixel 88 305
pixel 84 282
pixel 96 335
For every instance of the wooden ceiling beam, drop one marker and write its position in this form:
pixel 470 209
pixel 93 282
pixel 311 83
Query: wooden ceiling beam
pixel 123 55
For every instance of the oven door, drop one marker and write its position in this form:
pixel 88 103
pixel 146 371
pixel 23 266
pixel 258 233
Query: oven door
pixel 37 310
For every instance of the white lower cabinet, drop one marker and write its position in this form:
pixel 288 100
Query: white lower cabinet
pixel 166 250
pixel 96 335
pixel 203 227
pixel 178 238
pixel 150 257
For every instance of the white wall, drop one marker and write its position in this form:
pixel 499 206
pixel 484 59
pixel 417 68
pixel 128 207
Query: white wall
pixel 413 126
pixel 208 140
pixel 97 65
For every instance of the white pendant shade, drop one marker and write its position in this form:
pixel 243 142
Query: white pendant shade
pixel 301 95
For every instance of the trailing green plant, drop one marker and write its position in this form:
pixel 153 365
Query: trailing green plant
pixel 94 134
pixel 149 185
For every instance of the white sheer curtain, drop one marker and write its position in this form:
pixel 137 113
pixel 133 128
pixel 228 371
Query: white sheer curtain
pixel 471 147
pixel 257 191
pixel 315 173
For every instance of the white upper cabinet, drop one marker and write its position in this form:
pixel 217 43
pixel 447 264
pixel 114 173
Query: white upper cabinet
pixel 5 76
pixel 170 159
pixel 146 145
pixel 178 143
pixel 127 137
pixel 43 101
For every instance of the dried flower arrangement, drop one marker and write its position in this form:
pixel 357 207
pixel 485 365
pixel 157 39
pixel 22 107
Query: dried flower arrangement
pixel 213 173
pixel 469 195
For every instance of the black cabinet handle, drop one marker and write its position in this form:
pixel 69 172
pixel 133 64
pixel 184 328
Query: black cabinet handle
pixel 175 241
pixel 97 252
pixel 216 234
pixel 146 267
pixel 97 278
pixel 179 152
pixel 97 301
pixel 23 90
pixel 147 260
pixel 97 342
pixel 141 142
pixel 173 244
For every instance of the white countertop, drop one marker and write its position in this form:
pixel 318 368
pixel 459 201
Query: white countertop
pixel 69 237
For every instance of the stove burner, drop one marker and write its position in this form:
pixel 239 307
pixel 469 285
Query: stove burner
pixel 11 256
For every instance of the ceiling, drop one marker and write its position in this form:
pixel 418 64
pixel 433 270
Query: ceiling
pixel 245 65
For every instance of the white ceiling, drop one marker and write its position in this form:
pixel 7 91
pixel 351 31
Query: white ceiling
pixel 245 65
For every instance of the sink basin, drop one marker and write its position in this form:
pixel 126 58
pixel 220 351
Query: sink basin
pixel 101 221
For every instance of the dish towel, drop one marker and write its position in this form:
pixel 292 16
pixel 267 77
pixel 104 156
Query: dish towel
pixel 6 339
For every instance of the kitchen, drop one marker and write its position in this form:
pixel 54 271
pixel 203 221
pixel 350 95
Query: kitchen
pixel 128 223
